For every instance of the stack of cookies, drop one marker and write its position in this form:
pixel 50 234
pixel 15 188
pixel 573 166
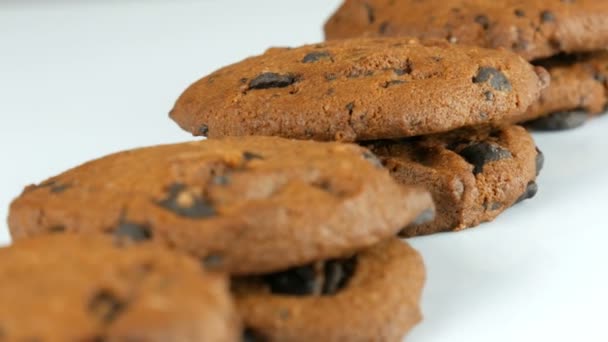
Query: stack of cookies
pixel 568 37
pixel 145 241
pixel 437 114
pixel 283 225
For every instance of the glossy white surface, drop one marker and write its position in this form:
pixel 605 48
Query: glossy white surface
pixel 80 79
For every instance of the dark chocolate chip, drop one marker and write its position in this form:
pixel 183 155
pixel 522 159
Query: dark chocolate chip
pixel 133 231
pixel 250 335
pixel 483 21
pixel 405 70
pixel 489 95
pixel 249 156
pixel 106 306
pixel 540 161
pixel 497 79
pixel 479 154
pixel 559 121
pixel 337 274
pixel 271 80
pixel 530 192
pixel 203 130
pixel 297 281
pixel 316 56
pixel 198 209
pixel 547 16
pixel 391 83
pixel 372 158
pixel 599 77
pixel 350 107
pixel 520 13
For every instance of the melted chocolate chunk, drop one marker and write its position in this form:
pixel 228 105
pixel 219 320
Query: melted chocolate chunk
pixel 371 15
pixel 520 13
pixel 106 306
pixel 479 154
pixel 133 231
pixel 316 56
pixel 194 207
pixel 496 78
pixel 297 281
pixel 559 121
pixel 271 80
pixel 530 192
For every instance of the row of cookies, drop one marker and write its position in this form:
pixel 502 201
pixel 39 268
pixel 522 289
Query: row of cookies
pixel 139 246
pixel 567 37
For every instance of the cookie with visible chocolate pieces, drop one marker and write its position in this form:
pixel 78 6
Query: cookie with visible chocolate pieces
pixel 242 205
pixel 578 91
pixel 372 296
pixel 532 28
pixel 82 288
pixel 473 174
pixel 360 89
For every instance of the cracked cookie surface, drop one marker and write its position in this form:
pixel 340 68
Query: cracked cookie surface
pixel 532 28
pixel 68 287
pixel 243 205
pixel 473 174
pixel 378 300
pixel 361 89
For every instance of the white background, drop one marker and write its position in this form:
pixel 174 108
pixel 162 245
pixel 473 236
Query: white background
pixel 80 79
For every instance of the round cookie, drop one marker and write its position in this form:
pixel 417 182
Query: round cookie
pixel 242 205
pixel 374 297
pixel 360 89
pixel 578 90
pixel 69 287
pixel 473 174
pixel 532 28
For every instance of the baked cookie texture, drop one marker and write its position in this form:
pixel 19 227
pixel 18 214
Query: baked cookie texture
pixel 532 28
pixel 361 89
pixel 474 174
pixel 242 205
pixel 68 287
pixel 578 90
pixel 374 296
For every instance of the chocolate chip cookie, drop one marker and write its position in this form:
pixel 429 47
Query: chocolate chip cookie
pixel 532 28
pixel 473 174
pixel 371 296
pixel 360 89
pixel 578 90
pixel 82 288
pixel 243 205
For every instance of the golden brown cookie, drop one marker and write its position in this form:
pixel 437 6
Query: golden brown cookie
pixel 532 28
pixel 371 296
pixel 578 90
pixel 244 205
pixel 68 287
pixel 473 174
pixel 360 90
